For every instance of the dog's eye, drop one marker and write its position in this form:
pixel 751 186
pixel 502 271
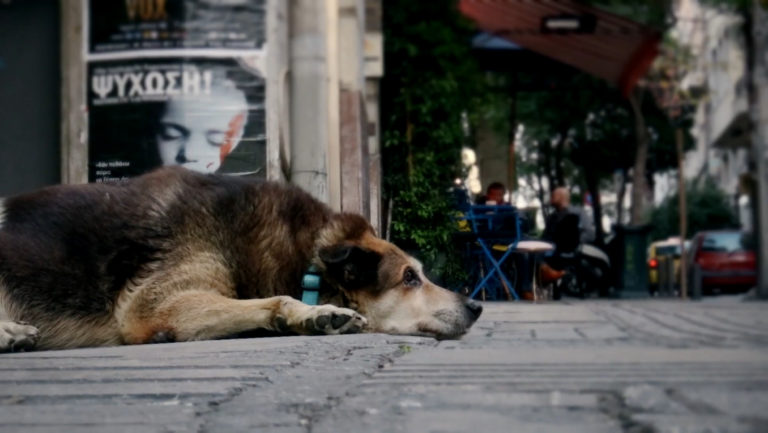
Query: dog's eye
pixel 411 278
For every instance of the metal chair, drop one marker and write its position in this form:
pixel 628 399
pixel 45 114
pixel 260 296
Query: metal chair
pixel 496 228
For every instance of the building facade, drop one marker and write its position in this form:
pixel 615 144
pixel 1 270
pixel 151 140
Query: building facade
pixel 717 77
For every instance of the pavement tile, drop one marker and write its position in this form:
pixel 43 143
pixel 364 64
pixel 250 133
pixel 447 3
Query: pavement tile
pixel 64 414
pixel 701 424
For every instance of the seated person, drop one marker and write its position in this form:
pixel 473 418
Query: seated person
pixel 567 227
pixel 506 219
pixel 494 194
pixel 561 201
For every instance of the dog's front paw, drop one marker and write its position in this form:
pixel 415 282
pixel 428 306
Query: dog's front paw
pixel 16 337
pixel 328 319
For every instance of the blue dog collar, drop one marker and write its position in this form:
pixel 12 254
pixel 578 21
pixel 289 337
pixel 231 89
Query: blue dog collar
pixel 310 297
pixel 310 282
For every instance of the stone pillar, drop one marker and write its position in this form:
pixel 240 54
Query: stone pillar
pixel 309 97
pixel 74 126
pixel 493 155
pixel 278 92
pixel 374 70
pixel 352 117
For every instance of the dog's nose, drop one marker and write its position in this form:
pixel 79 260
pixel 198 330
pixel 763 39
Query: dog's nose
pixel 474 308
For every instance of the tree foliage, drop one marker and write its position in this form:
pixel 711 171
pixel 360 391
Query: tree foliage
pixel 707 209
pixel 584 133
pixel 431 80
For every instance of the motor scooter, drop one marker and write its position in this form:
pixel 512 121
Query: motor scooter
pixel 586 268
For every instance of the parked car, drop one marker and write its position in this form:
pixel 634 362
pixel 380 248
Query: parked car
pixel 726 258
pixel 658 251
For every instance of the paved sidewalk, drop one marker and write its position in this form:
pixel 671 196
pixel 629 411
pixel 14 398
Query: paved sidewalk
pixel 609 366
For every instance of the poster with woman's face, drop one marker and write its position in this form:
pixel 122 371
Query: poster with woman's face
pixel 203 114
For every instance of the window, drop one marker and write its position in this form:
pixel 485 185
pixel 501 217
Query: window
pixel 668 250
pixel 726 242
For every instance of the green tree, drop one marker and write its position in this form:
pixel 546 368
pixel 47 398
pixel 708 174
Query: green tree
pixel 656 14
pixel 707 209
pixel 585 132
pixel 431 81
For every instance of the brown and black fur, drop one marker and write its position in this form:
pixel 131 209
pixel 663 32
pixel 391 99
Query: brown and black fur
pixel 176 255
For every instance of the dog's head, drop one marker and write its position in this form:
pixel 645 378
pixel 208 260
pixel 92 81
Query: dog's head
pixel 389 288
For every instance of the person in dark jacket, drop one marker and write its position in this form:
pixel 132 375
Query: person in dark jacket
pixel 567 227
pixel 561 201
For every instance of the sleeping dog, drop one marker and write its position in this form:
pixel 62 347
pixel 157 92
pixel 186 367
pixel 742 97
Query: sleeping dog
pixel 175 255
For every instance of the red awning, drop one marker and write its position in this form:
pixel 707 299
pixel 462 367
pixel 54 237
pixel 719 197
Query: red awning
pixel 614 48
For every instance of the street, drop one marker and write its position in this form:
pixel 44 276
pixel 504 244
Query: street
pixel 575 366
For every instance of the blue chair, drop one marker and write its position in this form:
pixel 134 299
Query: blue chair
pixel 496 231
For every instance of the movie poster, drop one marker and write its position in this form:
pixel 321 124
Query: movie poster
pixel 203 114
pixel 127 25
pixel 175 82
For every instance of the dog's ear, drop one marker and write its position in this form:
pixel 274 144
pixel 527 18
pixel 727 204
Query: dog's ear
pixel 350 266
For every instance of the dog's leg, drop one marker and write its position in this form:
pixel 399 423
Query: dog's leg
pixel 203 315
pixel 15 336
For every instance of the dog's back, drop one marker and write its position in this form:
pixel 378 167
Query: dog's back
pixel 69 250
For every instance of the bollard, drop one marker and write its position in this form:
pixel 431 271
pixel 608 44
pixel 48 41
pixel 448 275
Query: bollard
pixel 666 272
pixel 696 282
pixel 662 276
pixel 669 265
